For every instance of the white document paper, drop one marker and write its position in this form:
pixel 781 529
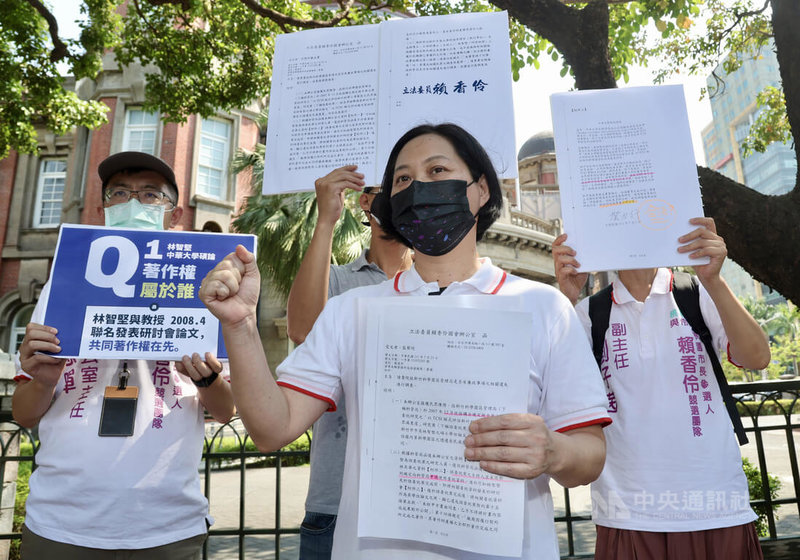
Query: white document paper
pixel 430 369
pixel 345 95
pixel 627 176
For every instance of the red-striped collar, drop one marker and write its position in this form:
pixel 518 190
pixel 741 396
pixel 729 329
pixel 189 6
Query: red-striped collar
pixel 662 284
pixel 488 279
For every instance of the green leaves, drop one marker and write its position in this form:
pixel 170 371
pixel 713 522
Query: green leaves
pixel 32 93
pixel 721 26
pixel 771 123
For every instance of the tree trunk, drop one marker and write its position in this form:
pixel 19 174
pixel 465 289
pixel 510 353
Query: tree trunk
pixel 580 35
pixel 762 232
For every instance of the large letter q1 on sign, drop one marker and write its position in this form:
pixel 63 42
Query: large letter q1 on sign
pixel 126 265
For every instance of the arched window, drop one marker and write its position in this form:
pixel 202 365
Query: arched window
pixel 17 330
pixel 212 226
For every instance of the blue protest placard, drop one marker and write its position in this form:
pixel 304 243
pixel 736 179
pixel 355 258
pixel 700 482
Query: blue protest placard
pixel 131 293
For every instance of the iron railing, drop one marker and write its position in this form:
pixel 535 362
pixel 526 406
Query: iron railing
pixel 772 453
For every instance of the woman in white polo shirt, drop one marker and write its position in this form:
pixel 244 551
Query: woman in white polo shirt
pixel 440 194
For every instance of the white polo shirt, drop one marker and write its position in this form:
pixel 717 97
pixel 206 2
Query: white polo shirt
pixel 565 390
pixel 672 460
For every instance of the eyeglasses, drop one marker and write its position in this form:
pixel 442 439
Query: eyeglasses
pixel 120 195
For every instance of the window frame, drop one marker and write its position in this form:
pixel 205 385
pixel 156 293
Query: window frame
pixel 15 329
pixel 129 128
pixel 39 201
pixel 224 186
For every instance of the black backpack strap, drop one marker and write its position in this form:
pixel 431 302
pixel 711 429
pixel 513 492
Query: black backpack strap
pixel 686 290
pixel 599 314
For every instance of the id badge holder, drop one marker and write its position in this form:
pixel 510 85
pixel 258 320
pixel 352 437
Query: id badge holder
pixel 119 408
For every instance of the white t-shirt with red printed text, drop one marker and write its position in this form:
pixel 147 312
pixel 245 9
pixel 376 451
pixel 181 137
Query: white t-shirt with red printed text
pixel 672 459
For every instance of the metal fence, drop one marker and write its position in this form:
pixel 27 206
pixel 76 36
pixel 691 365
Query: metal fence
pixel 773 447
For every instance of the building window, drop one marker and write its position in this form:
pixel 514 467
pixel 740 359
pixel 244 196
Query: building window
pixel 50 193
pixel 547 178
pixel 212 167
pixel 141 130
pixel 18 324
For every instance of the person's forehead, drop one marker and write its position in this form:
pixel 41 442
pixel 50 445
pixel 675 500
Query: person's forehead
pixel 140 179
pixel 424 149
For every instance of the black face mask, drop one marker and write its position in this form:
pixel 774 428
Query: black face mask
pixel 434 217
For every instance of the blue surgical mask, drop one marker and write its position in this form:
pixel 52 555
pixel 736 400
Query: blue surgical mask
pixel 135 215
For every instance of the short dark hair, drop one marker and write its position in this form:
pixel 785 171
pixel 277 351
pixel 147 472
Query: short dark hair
pixel 470 151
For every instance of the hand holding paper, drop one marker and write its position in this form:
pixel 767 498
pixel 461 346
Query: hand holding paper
pixel 570 281
pixel 330 191
pixel 197 367
pixel 704 242
pixel 627 175
pixel 515 445
pixel 522 446
pixel 45 369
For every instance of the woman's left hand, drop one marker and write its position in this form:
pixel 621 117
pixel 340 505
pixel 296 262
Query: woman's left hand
pixel 514 445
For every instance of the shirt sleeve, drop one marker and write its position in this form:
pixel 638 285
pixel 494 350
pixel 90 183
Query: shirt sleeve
pixel 314 367
pixel 582 310
pixel 573 394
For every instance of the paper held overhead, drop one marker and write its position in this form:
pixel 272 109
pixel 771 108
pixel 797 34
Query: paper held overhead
pixel 344 95
pixel 627 176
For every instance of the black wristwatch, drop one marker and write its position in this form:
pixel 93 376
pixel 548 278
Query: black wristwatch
pixel 206 381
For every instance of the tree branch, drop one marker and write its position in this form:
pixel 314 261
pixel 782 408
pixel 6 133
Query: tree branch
pixel 607 1
pixel 60 51
pixel 547 18
pixel 284 20
pixel 580 35
pixel 146 21
pixel 739 16
pixel 184 4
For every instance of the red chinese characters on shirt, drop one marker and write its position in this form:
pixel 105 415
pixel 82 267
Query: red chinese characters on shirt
pixel 88 377
pixel 618 354
pixel 162 376
pixel 695 382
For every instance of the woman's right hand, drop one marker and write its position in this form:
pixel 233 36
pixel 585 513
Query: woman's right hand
pixel 570 281
pixel 230 291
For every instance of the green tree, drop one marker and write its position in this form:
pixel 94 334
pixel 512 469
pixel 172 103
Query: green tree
pixel 781 322
pixel 755 485
pixel 786 351
pixel 32 93
pixel 785 355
